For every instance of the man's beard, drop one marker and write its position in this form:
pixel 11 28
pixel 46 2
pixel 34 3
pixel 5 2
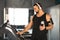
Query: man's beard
pixel 37 12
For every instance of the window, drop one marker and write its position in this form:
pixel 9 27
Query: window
pixel 18 16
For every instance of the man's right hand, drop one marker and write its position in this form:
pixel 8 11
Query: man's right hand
pixel 27 27
pixel 20 33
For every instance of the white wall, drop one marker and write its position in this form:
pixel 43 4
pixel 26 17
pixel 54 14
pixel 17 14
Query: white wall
pixel 54 33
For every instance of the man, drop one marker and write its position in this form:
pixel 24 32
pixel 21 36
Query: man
pixel 41 23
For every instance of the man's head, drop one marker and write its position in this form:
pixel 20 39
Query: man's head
pixel 37 7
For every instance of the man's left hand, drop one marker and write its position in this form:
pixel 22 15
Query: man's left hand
pixel 42 27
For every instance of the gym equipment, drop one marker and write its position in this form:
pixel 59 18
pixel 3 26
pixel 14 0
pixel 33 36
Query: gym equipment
pixel 9 32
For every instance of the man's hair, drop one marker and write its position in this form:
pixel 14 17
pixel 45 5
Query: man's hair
pixel 38 4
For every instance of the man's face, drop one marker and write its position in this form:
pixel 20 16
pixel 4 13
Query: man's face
pixel 36 9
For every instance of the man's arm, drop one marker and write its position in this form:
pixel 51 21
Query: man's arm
pixel 27 27
pixel 49 21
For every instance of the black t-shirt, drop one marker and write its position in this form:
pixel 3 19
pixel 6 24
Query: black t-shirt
pixel 36 24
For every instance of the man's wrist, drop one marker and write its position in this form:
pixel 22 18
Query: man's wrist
pixel 45 28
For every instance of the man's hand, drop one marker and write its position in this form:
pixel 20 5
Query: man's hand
pixel 20 33
pixel 42 27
